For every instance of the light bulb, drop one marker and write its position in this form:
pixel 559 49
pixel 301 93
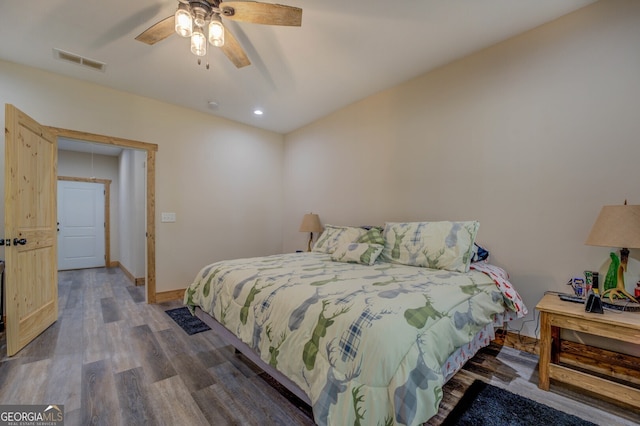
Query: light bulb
pixel 200 17
pixel 183 21
pixel 198 42
pixel 216 32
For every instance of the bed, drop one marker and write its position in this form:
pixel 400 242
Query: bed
pixel 368 326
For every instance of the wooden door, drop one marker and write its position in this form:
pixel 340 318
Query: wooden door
pixel 31 276
pixel 81 225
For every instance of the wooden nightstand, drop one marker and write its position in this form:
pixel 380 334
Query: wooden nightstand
pixel 556 314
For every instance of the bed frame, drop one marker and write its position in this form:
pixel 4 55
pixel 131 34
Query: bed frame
pixel 231 339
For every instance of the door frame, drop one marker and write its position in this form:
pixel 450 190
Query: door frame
pixel 107 218
pixel 151 149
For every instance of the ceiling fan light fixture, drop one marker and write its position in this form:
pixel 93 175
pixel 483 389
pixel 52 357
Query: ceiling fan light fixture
pixel 216 31
pixel 201 20
pixel 184 23
pixel 198 42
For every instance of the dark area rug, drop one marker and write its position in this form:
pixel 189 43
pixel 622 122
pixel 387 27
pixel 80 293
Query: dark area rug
pixel 191 324
pixel 484 404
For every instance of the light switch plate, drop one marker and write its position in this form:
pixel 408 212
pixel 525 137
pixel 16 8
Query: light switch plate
pixel 168 217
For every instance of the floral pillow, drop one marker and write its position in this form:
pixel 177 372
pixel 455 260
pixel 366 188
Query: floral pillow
pixel 334 236
pixel 363 253
pixel 435 245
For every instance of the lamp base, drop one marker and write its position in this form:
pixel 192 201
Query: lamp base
pixel 620 292
pixel 310 240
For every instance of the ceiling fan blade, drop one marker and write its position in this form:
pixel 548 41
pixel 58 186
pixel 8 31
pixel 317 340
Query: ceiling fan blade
pixel 159 31
pixel 233 50
pixel 262 13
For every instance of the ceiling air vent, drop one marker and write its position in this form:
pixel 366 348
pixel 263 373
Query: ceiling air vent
pixel 80 60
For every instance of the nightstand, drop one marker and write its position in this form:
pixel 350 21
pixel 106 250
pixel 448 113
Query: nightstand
pixel 555 315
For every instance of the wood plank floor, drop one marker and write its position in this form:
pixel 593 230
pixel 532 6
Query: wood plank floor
pixel 111 359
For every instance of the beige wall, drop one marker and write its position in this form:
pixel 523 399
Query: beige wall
pixel 84 165
pixel 531 137
pixel 222 179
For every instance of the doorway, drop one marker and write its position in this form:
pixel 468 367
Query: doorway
pixel 150 150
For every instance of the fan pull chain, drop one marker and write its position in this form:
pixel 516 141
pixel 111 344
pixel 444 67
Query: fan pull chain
pixel 206 65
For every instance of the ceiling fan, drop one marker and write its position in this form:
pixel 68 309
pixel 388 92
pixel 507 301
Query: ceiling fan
pixel 197 18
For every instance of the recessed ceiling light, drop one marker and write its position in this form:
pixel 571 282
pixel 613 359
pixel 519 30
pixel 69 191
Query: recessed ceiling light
pixel 258 112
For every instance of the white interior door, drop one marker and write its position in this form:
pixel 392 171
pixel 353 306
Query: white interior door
pixel 81 225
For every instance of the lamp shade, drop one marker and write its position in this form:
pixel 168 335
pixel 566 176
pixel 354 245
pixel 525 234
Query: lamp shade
pixel 310 223
pixel 616 226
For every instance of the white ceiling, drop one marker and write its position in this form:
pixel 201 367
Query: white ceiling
pixel 343 52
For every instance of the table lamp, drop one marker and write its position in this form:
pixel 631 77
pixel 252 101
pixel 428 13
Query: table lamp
pixel 617 226
pixel 310 224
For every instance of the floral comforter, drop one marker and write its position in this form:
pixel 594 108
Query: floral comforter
pixel 366 343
